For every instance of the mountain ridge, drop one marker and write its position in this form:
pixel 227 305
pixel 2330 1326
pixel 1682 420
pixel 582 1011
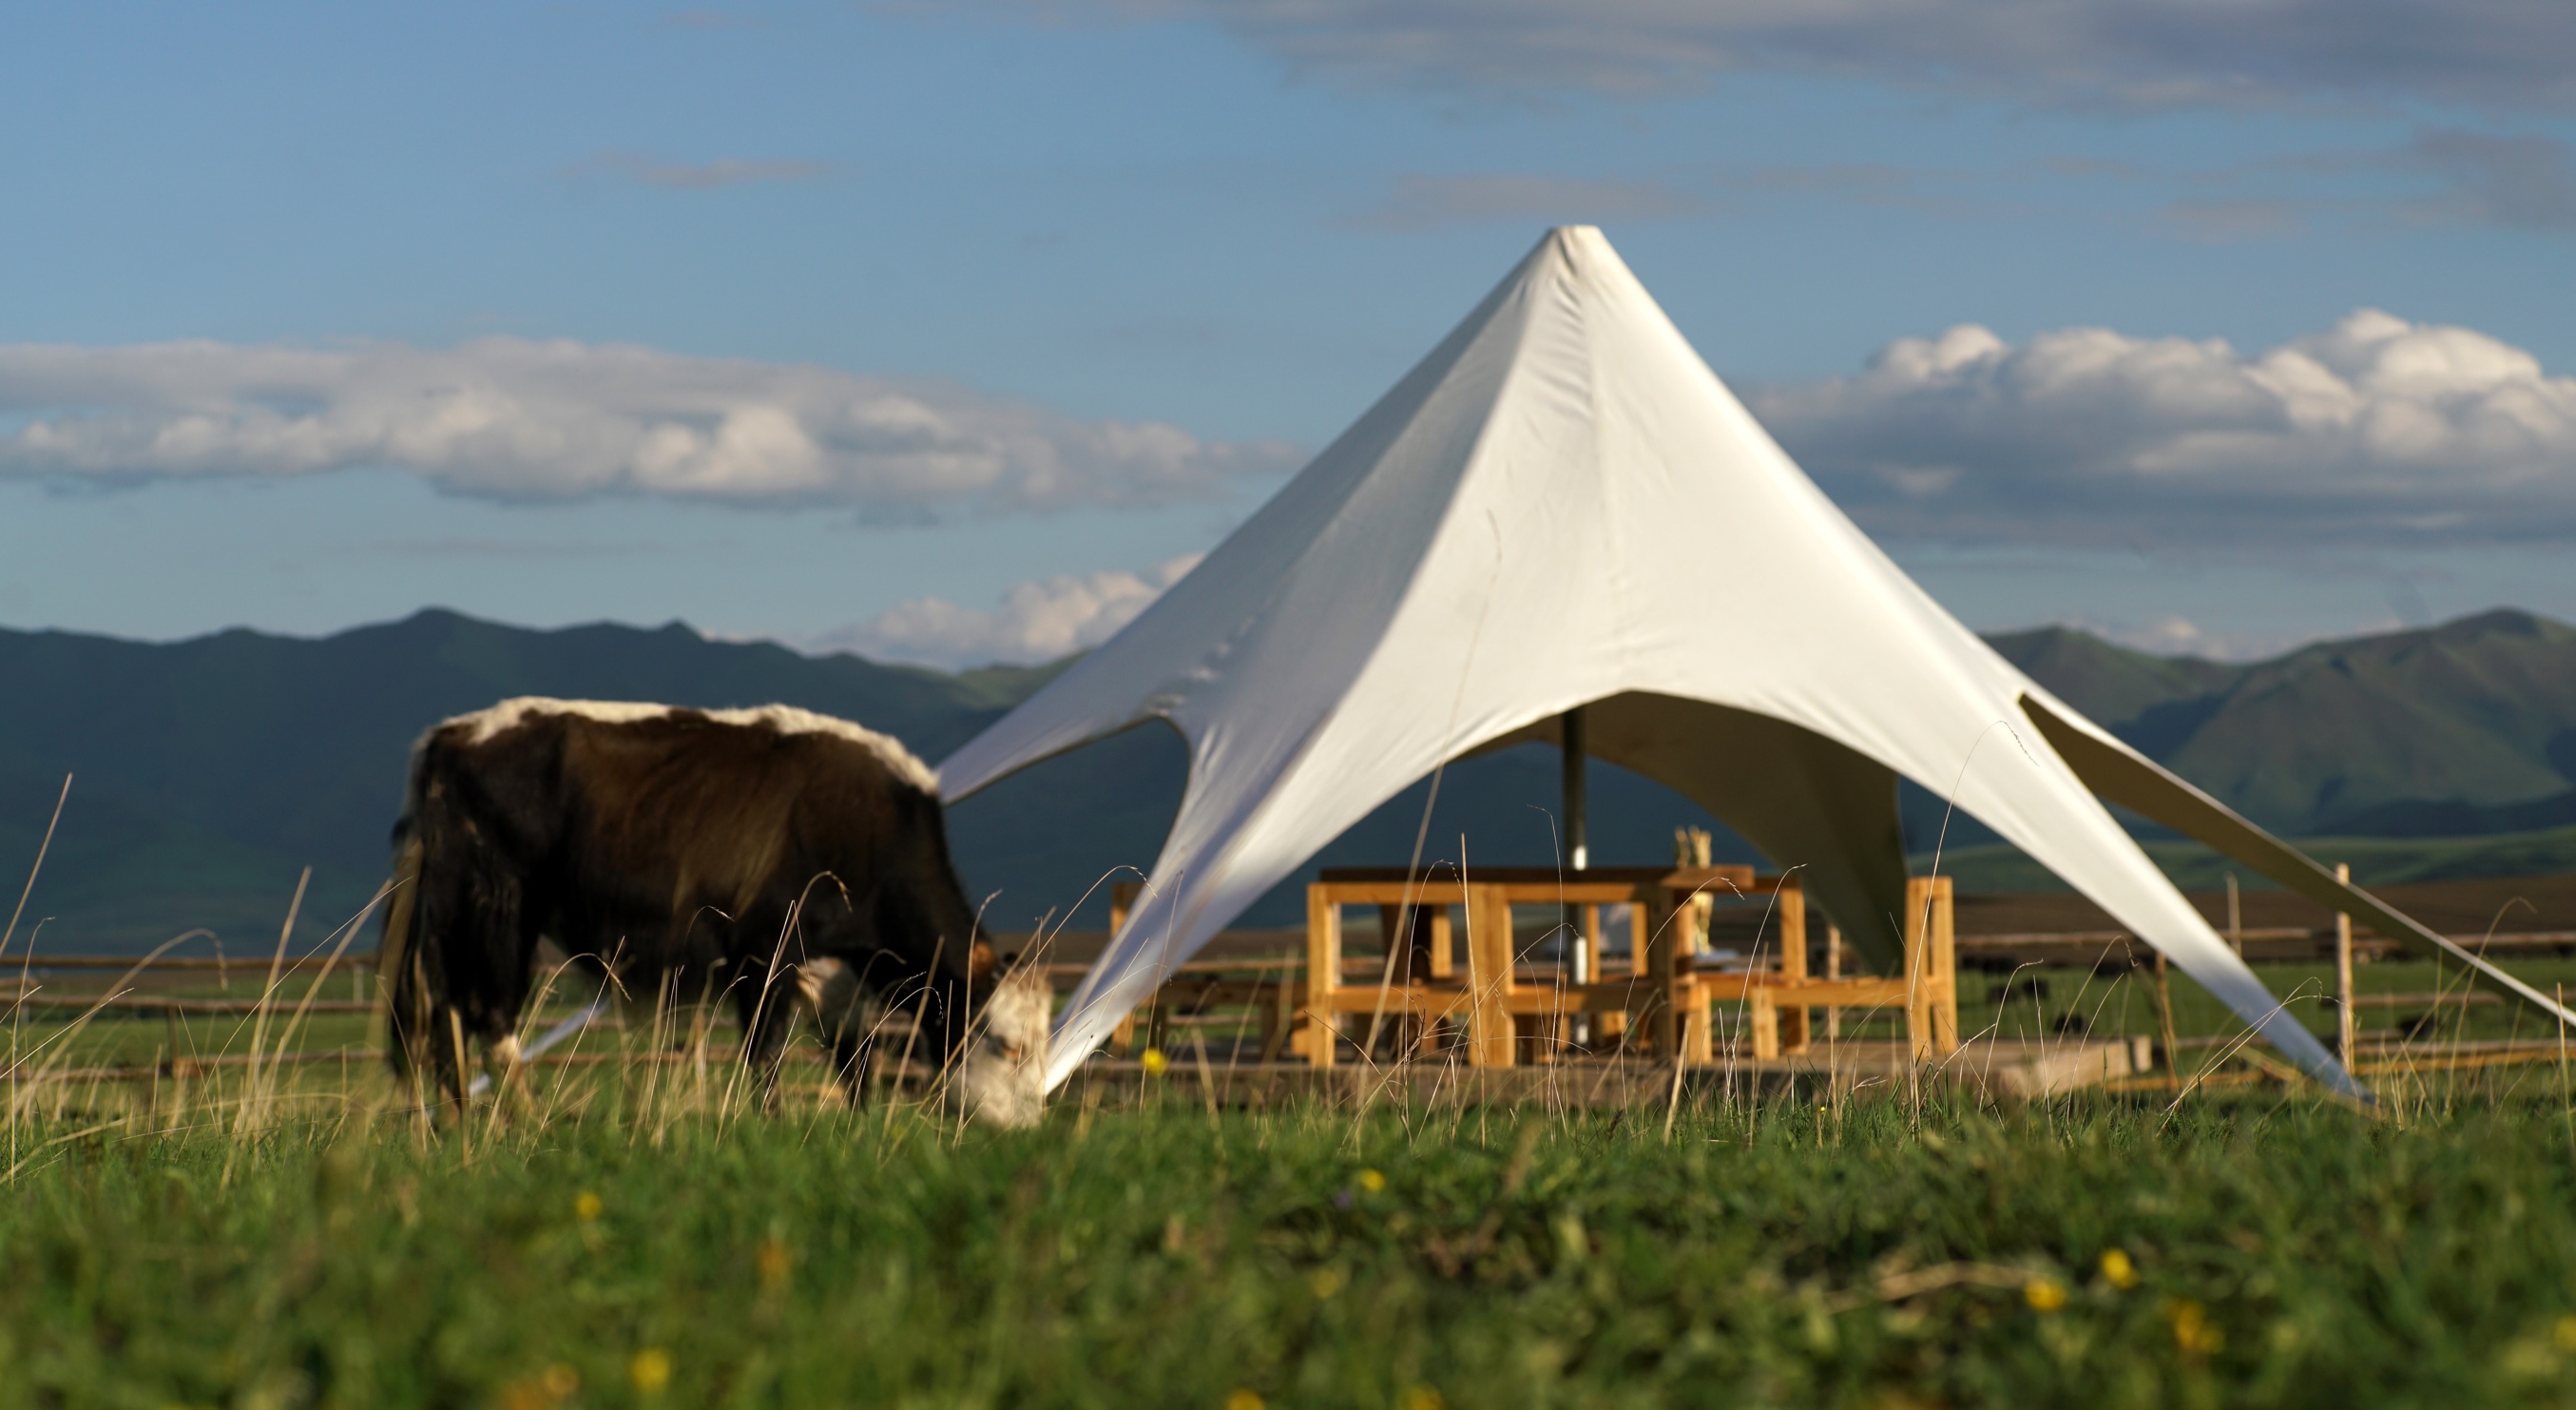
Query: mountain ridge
pixel 2429 731
pixel 209 771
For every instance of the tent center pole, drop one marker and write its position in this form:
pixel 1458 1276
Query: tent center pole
pixel 1577 854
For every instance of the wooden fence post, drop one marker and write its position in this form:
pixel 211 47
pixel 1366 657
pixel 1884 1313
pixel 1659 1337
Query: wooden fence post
pixel 1489 977
pixel 1833 970
pixel 2345 1028
pixel 1122 899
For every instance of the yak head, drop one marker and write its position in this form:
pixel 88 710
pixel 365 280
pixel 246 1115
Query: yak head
pixel 1001 1071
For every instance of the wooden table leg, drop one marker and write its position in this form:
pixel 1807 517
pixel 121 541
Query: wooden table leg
pixel 1931 968
pixel 1792 900
pixel 1762 1015
pixel 1665 945
pixel 1699 1027
pixel 1323 975
pixel 1489 977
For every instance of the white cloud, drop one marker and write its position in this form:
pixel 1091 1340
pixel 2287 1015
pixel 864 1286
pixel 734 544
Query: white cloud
pixel 2374 430
pixel 504 418
pixel 2157 53
pixel 1039 621
pixel 2180 636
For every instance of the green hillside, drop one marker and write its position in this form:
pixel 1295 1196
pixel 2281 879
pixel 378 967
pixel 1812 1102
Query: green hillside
pixel 2468 727
pixel 209 772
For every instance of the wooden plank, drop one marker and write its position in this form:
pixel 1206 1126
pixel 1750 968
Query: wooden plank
pixel 1864 993
pixel 1436 1001
pixel 1391 893
pixel 1740 876
pixel 1590 890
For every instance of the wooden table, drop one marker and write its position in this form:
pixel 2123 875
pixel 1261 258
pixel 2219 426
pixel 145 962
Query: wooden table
pixel 1664 1001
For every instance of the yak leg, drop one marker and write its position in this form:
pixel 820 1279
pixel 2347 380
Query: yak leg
pixel 829 990
pixel 770 1010
pixel 767 1019
pixel 474 934
pixel 451 1061
pixel 853 1051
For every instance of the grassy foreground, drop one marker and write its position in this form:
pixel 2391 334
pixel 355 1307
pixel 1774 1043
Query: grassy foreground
pixel 2266 1252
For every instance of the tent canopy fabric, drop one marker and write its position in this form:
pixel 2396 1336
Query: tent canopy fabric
pixel 1562 506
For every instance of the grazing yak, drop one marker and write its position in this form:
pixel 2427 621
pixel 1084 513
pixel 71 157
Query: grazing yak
pixel 783 860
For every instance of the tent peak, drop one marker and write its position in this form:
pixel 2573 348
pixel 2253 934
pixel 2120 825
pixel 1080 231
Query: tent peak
pixel 1574 243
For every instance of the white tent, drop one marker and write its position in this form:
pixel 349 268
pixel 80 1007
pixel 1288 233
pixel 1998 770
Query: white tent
pixel 1562 506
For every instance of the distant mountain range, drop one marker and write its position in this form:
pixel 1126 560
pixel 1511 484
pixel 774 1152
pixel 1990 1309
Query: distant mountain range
pixel 209 772
pixel 2461 729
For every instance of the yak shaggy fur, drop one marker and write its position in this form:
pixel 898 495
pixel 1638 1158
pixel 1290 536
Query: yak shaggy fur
pixel 734 856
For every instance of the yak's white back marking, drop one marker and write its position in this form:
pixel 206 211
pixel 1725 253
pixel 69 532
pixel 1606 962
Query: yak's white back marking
pixel 484 724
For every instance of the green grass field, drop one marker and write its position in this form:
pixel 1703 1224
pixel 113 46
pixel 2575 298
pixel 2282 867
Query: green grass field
pixel 646 1233
pixel 2269 1250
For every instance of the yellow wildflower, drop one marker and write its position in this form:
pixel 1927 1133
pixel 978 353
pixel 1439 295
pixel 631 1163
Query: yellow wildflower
pixel 1155 1062
pixel 650 1371
pixel 587 1206
pixel 1243 1399
pixel 1421 1398
pixel 2117 1270
pixel 2044 1294
pixel 1372 1181
pixel 2191 1329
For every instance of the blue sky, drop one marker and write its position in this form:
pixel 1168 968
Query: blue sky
pixel 1095 274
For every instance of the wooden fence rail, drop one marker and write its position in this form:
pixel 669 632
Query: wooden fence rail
pixel 155 1003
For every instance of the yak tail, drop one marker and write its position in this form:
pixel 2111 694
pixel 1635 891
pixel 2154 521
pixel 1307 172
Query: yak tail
pixel 402 983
